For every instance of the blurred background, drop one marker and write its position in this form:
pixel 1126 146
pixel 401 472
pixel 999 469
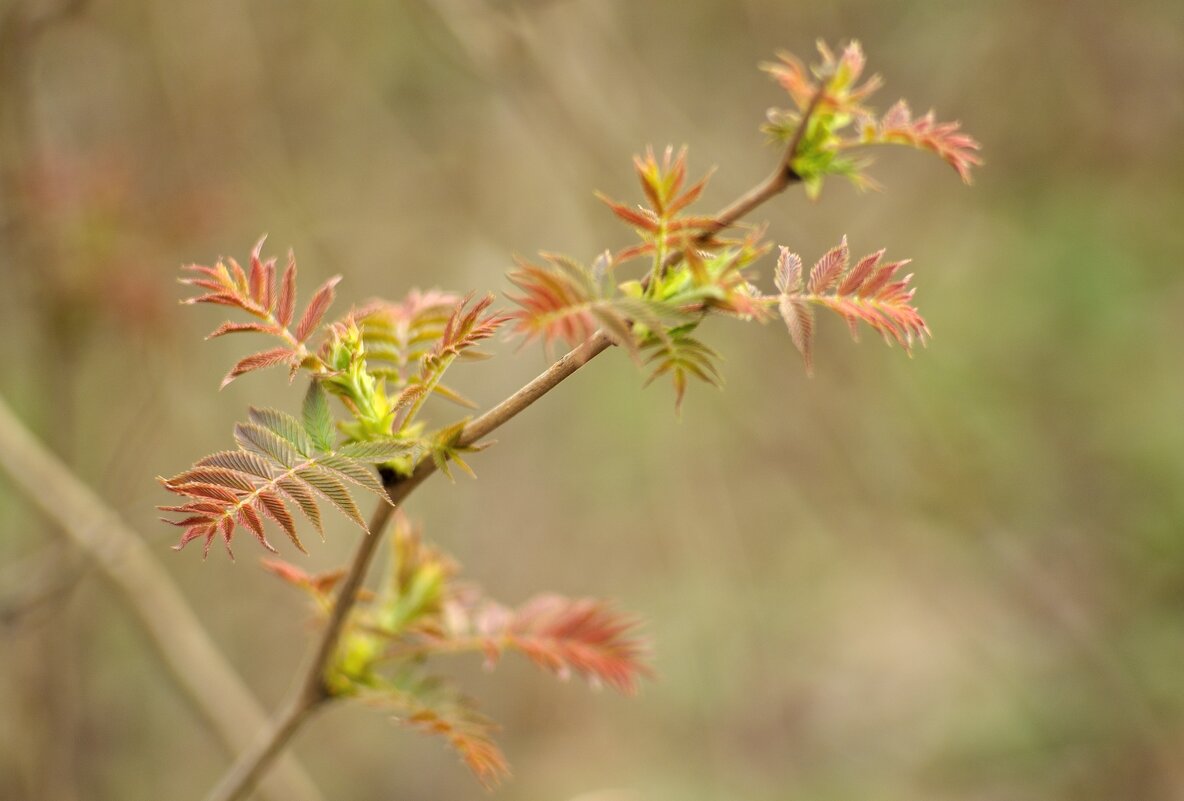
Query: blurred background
pixel 959 576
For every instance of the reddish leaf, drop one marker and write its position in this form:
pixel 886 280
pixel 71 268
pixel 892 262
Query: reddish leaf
pixel 788 275
pixel 200 489
pixel 241 284
pixel 854 279
pixel 582 636
pixel 273 506
pixel 471 739
pixel 249 518
pixel 194 533
pixel 794 78
pixel 304 499
pixel 690 196
pixel 316 309
pixel 257 361
pixel 465 329
pixel 828 269
pixel 799 318
pixel 469 733
pixel 876 283
pixel 258 286
pixel 946 139
pixel 638 218
pixel 240 462
pixel 217 298
pixel 554 305
pixel 219 476
pixel 867 293
pixel 318 583
pixel 236 328
pixel 285 305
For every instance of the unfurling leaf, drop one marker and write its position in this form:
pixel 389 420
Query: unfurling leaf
pixel 433 707
pixel 799 319
pixel 446 449
pixel 662 226
pixel 681 356
pixel 828 269
pixel 256 293
pixel 285 305
pixel 421 614
pixel 321 300
pixel 569 301
pixel 555 304
pixel 398 336
pixel 467 326
pixel 831 120
pixel 257 361
pixel 869 293
pixel 238 328
pixel 946 139
pixel 788 276
pixel 319 584
pixel 318 419
pixel 583 636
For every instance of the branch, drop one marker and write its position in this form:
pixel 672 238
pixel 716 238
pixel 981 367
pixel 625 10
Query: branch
pixel 778 181
pixel 782 177
pixel 311 691
pixel 201 672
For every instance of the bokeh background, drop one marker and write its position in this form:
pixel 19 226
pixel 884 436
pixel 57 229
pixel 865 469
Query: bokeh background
pixel 959 576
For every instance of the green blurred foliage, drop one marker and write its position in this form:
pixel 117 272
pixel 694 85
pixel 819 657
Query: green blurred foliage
pixel 959 576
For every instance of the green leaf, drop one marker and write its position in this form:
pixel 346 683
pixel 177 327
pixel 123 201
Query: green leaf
pixel 454 396
pixel 303 497
pixel 284 426
pixel 242 461
pixel 257 439
pixel 318 419
pixel 355 471
pixel 445 448
pixel 682 357
pixel 334 491
pixel 377 451
pixel 272 505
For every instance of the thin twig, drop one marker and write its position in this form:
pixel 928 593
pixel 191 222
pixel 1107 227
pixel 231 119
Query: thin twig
pixel 208 682
pixel 782 177
pixel 312 690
